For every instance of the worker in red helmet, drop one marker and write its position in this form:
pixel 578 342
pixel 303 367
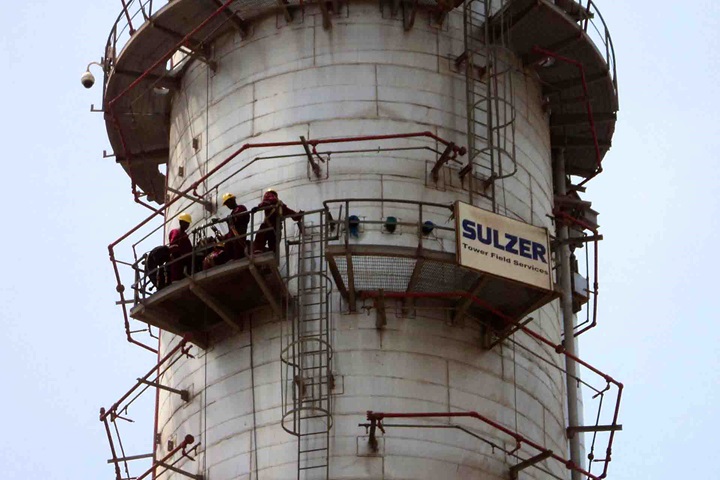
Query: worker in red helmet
pixel 237 224
pixel 270 231
pixel 180 249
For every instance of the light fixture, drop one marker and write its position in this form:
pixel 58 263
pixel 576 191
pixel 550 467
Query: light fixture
pixel 427 227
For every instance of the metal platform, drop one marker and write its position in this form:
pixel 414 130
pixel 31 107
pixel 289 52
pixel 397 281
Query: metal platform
pixel 138 87
pixel 560 27
pixel 359 270
pixel 198 304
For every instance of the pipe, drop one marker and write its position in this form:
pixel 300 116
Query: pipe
pixel 180 346
pixel 188 440
pixel 192 188
pixel 596 267
pixel 156 421
pixel 569 464
pixel 559 348
pixel 103 418
pixel 565 282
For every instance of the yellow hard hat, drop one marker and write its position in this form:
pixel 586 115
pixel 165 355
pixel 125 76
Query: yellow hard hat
pixel 185 217
pixel 271 190
pixel 226 197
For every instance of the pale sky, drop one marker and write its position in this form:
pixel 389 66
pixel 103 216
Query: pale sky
pixel 64 353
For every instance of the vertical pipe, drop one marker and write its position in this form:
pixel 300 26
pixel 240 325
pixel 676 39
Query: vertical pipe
pixel 565 279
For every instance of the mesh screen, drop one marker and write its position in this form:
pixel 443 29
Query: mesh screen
pixel 443 277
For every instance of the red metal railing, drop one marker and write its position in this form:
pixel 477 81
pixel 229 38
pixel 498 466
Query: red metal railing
pixel 600 35
pixel 119 409
pixel 558 348
pixel 588 109
pixel 120 287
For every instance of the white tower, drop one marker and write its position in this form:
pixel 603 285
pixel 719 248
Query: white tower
pixel 416 318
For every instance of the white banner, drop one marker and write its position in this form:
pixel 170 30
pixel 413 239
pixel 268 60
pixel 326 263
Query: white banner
pixel 498 245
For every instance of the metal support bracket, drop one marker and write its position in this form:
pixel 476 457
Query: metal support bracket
pixel 181 472
pixel 215 306
pixel 130 458
pixel 327 22
pixel 515 469
pixel 381 314
pixel 265 289
pixel 241 24
pixel 466 302
pixel 506 333
pixel 184 394
pixel 285 9
pixel 313 163
pixel 444 158
pixel 352 298
pixel 571 431
pixel 209 206
pixel 409 9
pixel 196 48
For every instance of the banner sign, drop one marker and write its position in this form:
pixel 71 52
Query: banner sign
pixel 500 246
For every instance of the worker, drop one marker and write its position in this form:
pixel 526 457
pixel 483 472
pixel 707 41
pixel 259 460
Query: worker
pixel 180 249
pixel 271 229
pixel 155 268
pixel 237 225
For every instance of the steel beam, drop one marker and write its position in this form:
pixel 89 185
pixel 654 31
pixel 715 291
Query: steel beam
pixel 285 9
pixel 444 158
pixel 162 81
pixel 181 472
pixel 515 469
pixel 571 431
pixel 240 24
pixel 227 316
pixel 313 164
pixel 184 394
pixel 265 289
pixel 327 23
pixel 409 9
pixel 467 301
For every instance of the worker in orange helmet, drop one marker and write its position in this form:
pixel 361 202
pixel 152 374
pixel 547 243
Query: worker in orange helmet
pixel 270 232
pixel 180 249
pixel 237 224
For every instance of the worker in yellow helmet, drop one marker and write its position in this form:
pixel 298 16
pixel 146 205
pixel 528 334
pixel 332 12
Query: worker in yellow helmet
pixel 237 224
pixel 180 249
pixel 270 231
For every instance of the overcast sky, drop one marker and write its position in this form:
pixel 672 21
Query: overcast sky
pixel 64 353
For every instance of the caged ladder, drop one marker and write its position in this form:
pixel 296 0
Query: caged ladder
pixel 307 352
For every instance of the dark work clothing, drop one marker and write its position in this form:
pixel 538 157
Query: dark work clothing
pixel 237 223
pixel 180 246
pixel 267 240
pixel 155 268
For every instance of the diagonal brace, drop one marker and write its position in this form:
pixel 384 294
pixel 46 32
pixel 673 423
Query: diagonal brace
pixel 184 394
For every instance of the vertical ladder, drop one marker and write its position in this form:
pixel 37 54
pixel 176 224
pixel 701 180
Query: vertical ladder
pixel 308 353
pixel 489 94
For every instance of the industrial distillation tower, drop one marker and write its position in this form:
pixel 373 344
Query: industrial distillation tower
pixel 418 318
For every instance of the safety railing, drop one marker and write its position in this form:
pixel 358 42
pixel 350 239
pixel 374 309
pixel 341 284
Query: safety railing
pixel 220 173
pixel 425 223
pixel 133 14
pixel 118 413
pixel 605 421
pixel 593 24
pixel 211 247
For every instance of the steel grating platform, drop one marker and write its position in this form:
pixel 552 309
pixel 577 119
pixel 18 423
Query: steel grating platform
pixel 369 269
